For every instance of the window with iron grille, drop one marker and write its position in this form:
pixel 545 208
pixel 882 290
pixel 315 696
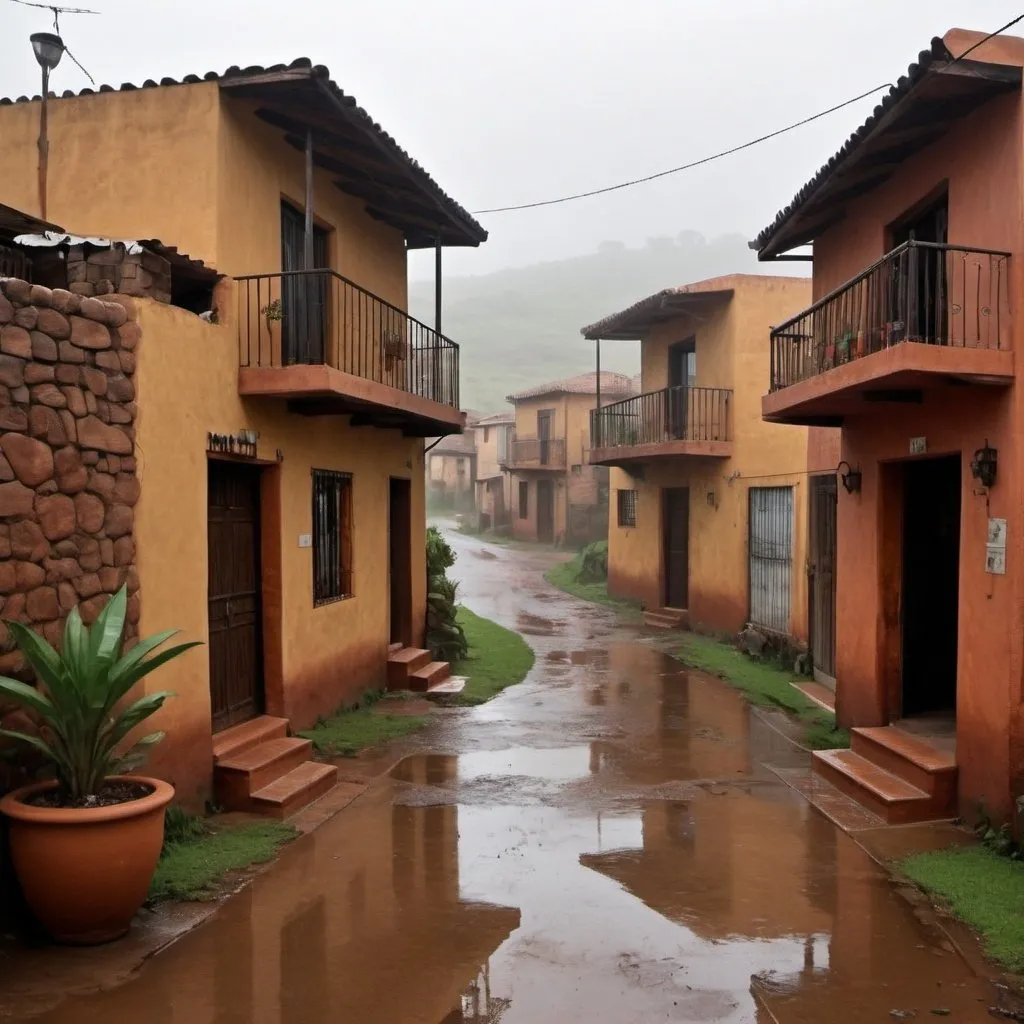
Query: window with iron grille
pixel 627 507
pixel 332 536
pixel 524 501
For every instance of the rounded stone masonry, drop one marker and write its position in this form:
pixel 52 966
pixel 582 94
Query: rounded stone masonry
pixel 68 486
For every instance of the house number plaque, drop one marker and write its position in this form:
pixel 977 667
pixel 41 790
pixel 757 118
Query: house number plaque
pixel 918 445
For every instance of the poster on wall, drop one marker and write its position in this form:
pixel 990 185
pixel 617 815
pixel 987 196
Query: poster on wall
pixel 995 547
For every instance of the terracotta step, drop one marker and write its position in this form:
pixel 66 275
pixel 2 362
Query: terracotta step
pixel 295 789
pixel 666 618
pixel 395 647
pixel 429 676
pixel 451 687
pixel 912 759
pixel 238 777
pixel 247 735
pixel 403 663
pixel 890 797
pixel 817 694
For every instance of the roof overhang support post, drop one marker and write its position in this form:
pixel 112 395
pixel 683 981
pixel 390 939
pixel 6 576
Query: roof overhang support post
pixel 307 261
pixel 596 440
pixel 437 284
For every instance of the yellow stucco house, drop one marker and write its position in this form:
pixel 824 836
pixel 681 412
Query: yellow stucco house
pixel 558 496
pixel 708 506
pixel 493 435
pixel 279 392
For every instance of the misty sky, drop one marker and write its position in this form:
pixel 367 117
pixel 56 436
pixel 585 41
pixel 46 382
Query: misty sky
pixel 514 102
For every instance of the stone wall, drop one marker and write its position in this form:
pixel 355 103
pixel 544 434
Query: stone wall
pixel 68 482
pixel 102 271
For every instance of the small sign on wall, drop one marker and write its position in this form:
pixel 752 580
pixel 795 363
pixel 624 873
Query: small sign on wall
pixel 305 540
pixel 918 445
pixel 995 547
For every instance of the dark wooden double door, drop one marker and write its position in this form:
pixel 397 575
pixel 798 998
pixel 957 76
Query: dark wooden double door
pixel 304 297
pixel 235 609
pixel 676 542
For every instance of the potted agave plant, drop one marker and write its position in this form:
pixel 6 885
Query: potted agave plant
pixel 85 844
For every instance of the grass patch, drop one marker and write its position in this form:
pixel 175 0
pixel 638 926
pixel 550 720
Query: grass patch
pixel 764 683
pixel 497 658
pixel 981 888
pixel 353 729
pixel 564 577
pixel 190 868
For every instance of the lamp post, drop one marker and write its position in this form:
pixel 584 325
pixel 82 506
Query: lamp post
pixel 49 49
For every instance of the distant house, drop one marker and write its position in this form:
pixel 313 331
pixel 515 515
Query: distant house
pixel 708 502
pixel 451 471
pixel 558 496
pixel 493 484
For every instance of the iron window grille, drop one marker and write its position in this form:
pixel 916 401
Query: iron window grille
pixel 626 507
pixel 332 536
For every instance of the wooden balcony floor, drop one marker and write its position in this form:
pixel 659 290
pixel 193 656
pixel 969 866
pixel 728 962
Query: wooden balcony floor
pixel 618 455
pixel 319 390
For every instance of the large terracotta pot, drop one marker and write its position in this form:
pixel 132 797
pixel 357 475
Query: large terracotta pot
pixel 85 872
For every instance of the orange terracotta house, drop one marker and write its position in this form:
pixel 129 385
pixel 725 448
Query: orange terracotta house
pixel 909 349
pixel 558 496
pixel 708 508
pixel 278 394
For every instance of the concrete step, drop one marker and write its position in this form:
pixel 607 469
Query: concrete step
pixel 403 663
pixel 666 618
pixel 451 687
pixel 912 759
pixel 429 676
pixel 893 799
pixel 817 694
pixel 247 735
pixel 238 777
pixel 295 789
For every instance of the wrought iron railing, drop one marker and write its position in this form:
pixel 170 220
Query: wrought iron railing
pixel 318 317
pixel 921 291
pixel 671 414
pixel 536 453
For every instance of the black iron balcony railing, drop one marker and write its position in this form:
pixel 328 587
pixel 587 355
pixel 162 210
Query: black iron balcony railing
pixel 536 453
pixel 671 414
pixel 318 317
pixel 921 291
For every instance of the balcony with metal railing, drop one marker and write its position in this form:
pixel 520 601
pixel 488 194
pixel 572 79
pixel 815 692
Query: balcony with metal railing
pixel 535 453
pixel 329 346
pixel 924 313
pixel 672 422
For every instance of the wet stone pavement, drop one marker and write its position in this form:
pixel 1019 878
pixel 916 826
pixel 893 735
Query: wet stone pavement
pixel 605 842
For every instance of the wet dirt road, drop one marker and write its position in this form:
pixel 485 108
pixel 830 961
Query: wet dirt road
pixel 604 842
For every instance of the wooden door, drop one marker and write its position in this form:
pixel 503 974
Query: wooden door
pixel 400 560
pixel 304 297
pixel 236 626
pixel 545 511
pixel 676 530
pixel 545 419
pixel 682 375
pixel 822 572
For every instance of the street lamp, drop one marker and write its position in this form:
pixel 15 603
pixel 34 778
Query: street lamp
pixel 48 48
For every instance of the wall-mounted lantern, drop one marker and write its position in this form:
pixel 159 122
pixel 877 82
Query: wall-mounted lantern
pixel 984 464
pixel 850 479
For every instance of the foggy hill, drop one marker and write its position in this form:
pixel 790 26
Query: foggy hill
pixel 521 326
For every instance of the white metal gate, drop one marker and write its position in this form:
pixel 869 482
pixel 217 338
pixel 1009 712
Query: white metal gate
pixel 771 557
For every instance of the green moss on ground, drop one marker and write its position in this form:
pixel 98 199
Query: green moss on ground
pixel 564 577
pixel 498 658
pixel 762 682
pixel 191 867
pixel 353 729
pixel 981 888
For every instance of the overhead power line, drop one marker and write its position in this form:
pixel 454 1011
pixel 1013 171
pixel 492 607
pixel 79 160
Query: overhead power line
pixel 727 152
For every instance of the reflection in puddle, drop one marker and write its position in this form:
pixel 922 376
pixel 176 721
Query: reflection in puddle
pixel 559 764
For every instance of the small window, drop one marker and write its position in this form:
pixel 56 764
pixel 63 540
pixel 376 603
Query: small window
pixel 524 501
pixel 332 536
pixel 487 434
pixel 627 508
pixel 577 469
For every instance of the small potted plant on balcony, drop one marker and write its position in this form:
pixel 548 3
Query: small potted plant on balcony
pixel 85 843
